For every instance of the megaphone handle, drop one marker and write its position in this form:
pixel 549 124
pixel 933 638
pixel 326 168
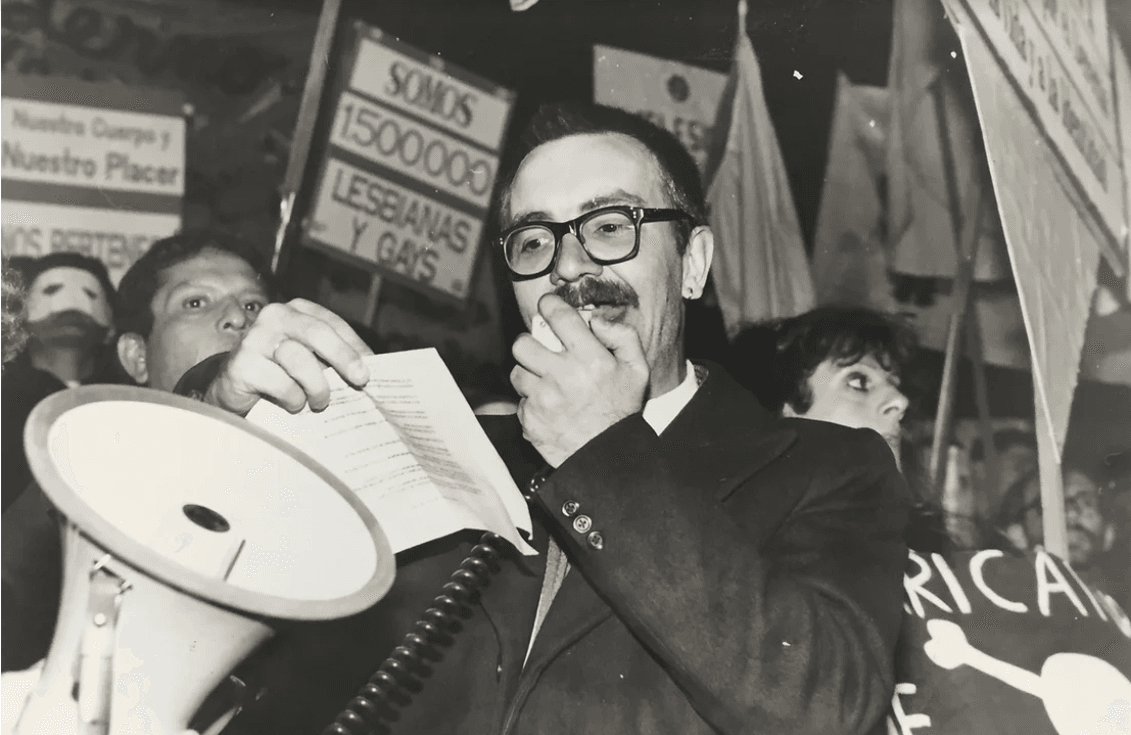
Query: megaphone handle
pixel 377 703
pixel 96 653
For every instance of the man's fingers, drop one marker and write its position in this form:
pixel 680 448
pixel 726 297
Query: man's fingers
pixel 339 325
pixel 272 381
pixel 570 329
pixel 316 334
pixel 522 380
pixel 532 355
pixel 304 368
pixel 621 340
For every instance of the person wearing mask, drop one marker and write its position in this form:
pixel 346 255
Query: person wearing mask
pixel 188 297
pixel 68 312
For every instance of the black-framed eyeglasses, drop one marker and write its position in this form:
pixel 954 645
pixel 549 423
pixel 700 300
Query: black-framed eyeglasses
pixel 609 235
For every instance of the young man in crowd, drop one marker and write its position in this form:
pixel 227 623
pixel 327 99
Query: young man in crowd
pixel 706 567
pixel 188 297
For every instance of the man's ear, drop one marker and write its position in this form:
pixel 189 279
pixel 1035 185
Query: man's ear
pixel 697 261
pixel 1108 539
pixel 132 354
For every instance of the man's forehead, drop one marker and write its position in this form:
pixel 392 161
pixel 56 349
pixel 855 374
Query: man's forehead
pixel 565 177
pixel 206 264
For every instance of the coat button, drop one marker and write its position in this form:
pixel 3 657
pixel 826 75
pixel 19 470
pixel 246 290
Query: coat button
pixel 582 524
pixel 570 508
pixel 535 484
pixel 596 540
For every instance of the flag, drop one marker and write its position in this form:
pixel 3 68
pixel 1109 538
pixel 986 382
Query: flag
pixel 850 262
pixel 760 269
pixel 933 129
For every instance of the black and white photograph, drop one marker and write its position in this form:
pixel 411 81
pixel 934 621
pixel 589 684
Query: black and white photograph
pixel 566 367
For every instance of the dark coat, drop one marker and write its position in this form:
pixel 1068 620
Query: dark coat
pixel 750 580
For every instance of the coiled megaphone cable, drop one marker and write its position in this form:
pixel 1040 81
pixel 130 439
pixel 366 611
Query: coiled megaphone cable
pixel 391 687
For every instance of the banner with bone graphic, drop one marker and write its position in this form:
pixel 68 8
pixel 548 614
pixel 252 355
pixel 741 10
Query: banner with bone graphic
pixel 1008 644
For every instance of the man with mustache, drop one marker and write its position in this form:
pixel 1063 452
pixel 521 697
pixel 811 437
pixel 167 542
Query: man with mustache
pixel 706 567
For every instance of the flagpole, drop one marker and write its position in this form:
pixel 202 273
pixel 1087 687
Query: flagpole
pixel 961 295
pixel 304 126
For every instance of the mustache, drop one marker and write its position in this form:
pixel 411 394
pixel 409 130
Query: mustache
pixel 598 293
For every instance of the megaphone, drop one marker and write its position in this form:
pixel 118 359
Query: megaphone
pixel 187 531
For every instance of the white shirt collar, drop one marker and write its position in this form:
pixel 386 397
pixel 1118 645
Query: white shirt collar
pixel 662 410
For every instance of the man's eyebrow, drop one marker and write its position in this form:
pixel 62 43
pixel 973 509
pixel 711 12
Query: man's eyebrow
pixel 531 217
pixel 618 197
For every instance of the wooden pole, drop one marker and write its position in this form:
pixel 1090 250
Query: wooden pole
pixel 304 126
pixel 965 231
pixel 990 461
pixel 944 414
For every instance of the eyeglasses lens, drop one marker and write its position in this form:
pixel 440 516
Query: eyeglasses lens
pixel 606 235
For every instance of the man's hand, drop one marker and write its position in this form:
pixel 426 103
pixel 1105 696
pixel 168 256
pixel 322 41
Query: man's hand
pixel 282 357
pixel 569 397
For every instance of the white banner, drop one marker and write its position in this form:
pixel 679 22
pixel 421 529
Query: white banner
pixel 116 237
pixel 72 145
pixel 1054 251
pixel 1057 53
pixel 681 98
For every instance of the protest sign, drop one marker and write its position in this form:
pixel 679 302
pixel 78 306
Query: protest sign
pixel 90 168
pixel 413 153
pixel 1058 55
pixel 681 98
pixel 1012 644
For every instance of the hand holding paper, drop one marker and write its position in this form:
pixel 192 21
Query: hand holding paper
pixel 410 447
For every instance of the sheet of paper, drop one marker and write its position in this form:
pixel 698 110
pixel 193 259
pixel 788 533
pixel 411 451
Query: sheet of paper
pixel 412 450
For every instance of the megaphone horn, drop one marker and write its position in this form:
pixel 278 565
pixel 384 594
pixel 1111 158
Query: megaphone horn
pixel 187 531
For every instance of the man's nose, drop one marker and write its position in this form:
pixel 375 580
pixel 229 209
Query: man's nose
pixel 236 318
pixel 573 262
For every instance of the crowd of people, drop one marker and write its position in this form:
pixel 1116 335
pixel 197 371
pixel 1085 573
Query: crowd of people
pixel 722 548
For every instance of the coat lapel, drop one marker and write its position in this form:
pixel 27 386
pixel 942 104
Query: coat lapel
pixel 724 434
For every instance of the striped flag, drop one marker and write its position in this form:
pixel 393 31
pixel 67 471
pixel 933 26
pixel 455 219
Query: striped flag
pixel 760 270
